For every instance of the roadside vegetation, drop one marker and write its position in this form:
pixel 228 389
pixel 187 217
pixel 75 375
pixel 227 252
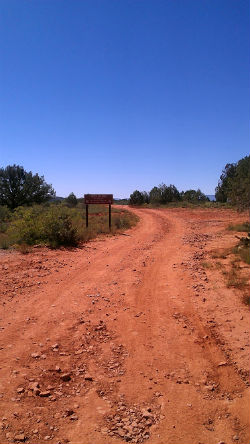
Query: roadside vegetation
pixel 232 262
pixel 30 214
pixel 233 191
pixel 58 225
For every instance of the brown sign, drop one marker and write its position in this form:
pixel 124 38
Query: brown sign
pixel 98 199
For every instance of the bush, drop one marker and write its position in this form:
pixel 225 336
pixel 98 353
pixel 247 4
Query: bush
pixel 59 229
pixel 57 225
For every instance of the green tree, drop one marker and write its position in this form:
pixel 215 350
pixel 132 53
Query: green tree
pixel 224 187
pixel 239 194
pixel 194 196
pixel 169 193
pixel 19 187
pixel 155 195
pixel 136 198
pixel 71 200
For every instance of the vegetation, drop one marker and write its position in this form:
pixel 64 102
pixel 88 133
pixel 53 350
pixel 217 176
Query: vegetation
pixel 234 184
pixel 71 200
pixel 194 196
pixel 57 225
pixel 19 187
pixel 164 194
pixel 243 227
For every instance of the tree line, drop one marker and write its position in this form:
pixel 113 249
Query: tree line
pixel 19 187
pixel 164 194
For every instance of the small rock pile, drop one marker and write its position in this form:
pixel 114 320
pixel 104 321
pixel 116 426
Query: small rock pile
pixel 130 424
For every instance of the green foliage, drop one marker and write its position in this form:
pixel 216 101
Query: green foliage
pixel 244 227
pixel 59 228
pixel 155 196
pixel 234 184
pixel 240 184
pixel 4 218
pixel 168 195
pixel 57 225
pixel 19 187
pixel 71 200
pixel 223 189
pixel 194 196
pixel 136 198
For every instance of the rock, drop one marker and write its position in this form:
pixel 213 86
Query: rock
pixel 74 418
pixel 66 377
pixel 20 437
pixel 236 438
pixel 69 412
pixel 45 394
pixel 104 430
pixel 121 432
pixel 222 363
pixel 47 437
pixel 35 431
pixel 20 390
pixel 35 355
pixel 54 346
pixel 88 377
pixel 33 385
pixel 78 352
pixel 58 369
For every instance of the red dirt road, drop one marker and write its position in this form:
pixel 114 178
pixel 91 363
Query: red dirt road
pixel 128 339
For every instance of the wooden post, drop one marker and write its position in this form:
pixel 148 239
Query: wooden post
pixel 109 216
pixel 87 216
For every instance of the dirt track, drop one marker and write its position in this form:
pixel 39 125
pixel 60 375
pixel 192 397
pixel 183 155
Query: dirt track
pixel 128 339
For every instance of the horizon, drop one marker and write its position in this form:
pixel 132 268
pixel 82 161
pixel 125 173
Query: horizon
pixel 112 97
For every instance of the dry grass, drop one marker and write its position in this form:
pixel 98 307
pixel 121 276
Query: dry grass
pixel 242 227
pixel 207 265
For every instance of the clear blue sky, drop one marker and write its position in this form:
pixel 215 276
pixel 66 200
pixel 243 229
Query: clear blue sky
pixel 118 95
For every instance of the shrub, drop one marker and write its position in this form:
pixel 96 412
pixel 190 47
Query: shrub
pixel 59 229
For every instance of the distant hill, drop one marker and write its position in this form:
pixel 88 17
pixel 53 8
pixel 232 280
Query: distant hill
pixel 211 197
pixel 54 199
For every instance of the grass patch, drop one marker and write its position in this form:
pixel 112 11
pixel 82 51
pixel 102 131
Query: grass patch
pixel 243 227
pixel 242 251
pixel 235 279
pixel 220 254
pixel 207 265
pixel 58 225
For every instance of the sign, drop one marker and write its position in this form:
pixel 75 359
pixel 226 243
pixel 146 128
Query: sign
pixel 102 199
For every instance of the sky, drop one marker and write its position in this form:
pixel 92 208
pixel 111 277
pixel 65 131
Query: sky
pixel 109 96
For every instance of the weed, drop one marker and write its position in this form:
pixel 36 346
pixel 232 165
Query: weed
pixel 207 265
pixel 234 277
pixel 23 248
pixel 243 227
pixel 219 254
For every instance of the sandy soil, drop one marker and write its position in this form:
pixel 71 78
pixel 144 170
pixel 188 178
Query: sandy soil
pixel 129 338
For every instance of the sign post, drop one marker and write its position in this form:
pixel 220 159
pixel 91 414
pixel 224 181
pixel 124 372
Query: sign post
pixel 98 199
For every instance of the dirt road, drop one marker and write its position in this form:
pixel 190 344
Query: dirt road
pixel 129 338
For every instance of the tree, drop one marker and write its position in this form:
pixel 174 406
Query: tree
pixel 155 195
pixel 169 193
pixel 194 196
pixel 136 198
pixel 239 194
pixel 71 200
pixel 19 187
pixel 224 187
